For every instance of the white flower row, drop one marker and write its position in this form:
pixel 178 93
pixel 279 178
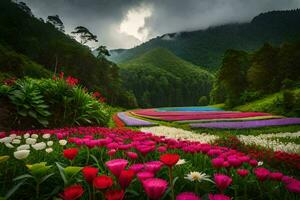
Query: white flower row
pixel 280 135
pixel 269 142
pixel 176 133
pixel 23 144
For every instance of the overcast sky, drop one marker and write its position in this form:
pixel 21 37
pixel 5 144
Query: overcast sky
pixel 127 23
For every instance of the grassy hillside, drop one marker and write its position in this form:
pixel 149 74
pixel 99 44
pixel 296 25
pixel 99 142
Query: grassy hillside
pixel 274 103
pixel 206 47
pixel 42 43
pixel 159 78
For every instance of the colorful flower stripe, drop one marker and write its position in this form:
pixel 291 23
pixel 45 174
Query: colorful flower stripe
pixel 118 122
pixel 214 116
pixel 131 121
pixel 188 109
pixel 154 113
pixel 248 124
pixel 234 119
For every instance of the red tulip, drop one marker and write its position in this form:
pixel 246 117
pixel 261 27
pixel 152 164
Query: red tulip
pixel 169 159
pixel 102 182
pixel 73 192
pixel 242 172
pixel 125 178
pixel 114 195
pixel 70 153
pixel 90 173
pixel 261 173
pixel 132 155
pixel 222 181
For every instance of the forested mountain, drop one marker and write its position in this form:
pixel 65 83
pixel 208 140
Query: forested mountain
pixel 206 47
pixel 244 77
pixel 159 78
pixel 29 46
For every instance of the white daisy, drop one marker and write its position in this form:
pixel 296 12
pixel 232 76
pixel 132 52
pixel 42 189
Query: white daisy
pixel 198 176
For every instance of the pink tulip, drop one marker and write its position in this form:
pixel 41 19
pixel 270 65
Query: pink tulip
pixel 293 186
pixel 112 152
pixel 153 166
pixel 155 187
pixel 187 196
pixel 161 149
pixel 261 173
pixel 234 161
pixel 137 167
pixel 277 176
pixel 222 181
pixel 218 197
pixel 144 175
pixel 217 162
pixel 116 166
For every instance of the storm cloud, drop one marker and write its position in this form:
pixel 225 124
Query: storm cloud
pixel 127 23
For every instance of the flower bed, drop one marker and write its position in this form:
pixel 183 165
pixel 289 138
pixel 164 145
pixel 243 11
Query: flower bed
pixel 180 134
pixel 188 109
pixel 132 121
pixel 98 163
pixel 248 124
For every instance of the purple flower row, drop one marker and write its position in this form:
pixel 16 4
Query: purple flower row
pixel 131 121
pixel 248 124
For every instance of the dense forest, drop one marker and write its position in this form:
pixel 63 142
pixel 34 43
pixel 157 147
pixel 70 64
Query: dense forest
pixel 206 47
pixel 244 77
pixel 32 47
pixel 159 78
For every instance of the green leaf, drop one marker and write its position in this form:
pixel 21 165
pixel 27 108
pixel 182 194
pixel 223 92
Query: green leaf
pixel 24 176
pixel 62 173
pixel 3 158
pixel 46 177
pixel 14 189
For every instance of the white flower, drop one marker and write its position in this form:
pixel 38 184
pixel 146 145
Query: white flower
pixel 30 141
pixel 62 142
pixel 39 146
pixel 12 136
pixel 198 176
pixel 9 145
pixel 16 141
pixel 49 150
pixel 46 136
pixel 181 162
pixel 6 140
pixel 260 163
pixel 18 137
pixel 22 154
pixel 35 136
pixel 23 147
pixel 26 135
pixel 177 133
pixel 49 143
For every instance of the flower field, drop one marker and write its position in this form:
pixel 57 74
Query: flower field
pixel 205 117
pixel 114 164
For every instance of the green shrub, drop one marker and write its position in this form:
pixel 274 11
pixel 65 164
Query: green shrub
pixel 203 101
pixel 54 103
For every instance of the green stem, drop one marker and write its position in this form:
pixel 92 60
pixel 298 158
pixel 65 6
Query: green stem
pixel 171 183
pixel 37 190
pixel 88 156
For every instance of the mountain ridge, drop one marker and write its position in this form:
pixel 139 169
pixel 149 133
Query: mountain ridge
pixel 206 47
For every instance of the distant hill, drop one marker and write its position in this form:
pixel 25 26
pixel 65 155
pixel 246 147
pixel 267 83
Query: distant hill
pixel 206 47
pixel 159 78
pixel 29 46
